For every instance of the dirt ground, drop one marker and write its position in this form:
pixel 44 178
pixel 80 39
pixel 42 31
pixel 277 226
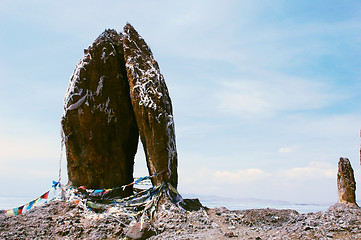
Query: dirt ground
pixel 68 220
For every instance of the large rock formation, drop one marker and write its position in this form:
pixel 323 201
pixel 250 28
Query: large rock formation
pixel 152 107
pixel 346 182
pixel 101 135
pixel 115 90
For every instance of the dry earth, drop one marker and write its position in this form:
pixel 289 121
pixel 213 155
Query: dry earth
pixel 67 220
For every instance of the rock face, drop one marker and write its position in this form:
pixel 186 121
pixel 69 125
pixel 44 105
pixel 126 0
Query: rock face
pixel 152 107
pixel 115 90
pixel 346 182
pixel 101 134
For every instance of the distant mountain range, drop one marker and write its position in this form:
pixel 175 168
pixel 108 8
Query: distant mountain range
pixel 258 201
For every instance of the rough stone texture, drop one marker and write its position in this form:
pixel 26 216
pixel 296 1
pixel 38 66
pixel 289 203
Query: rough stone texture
pixel 346 182
pixel 152 107
pixel 139 230
pixel 101 134
pixel 191 204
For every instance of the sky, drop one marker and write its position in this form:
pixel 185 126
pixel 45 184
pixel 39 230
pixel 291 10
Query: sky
pixel 266 94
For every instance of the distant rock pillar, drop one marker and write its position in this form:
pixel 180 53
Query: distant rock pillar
pixel 101 134
pixel 346 182
pixel 152 107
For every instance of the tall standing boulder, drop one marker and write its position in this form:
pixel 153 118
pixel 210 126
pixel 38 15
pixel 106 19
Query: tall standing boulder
pixel 152 107
pixel 101 134
pixel 346 182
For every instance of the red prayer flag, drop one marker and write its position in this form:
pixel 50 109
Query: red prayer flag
pixel 20 210
pixel 45 195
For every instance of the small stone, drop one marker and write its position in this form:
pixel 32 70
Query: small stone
pixel 191 204
pixel 307 228
pixel 139 231
pixel 230 234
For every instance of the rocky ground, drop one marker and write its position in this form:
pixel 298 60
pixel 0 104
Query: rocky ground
pixel 68 220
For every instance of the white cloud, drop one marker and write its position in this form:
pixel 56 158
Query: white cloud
pixel 289 149
pixel 30 157
pixel 265 98
pixel 329 127
pixel 42 173
pixel 291 184
pixel 314 170
pixel 27 148
pixel 241 176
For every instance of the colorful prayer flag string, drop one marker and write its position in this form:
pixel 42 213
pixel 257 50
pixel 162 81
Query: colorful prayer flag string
pixel 54 193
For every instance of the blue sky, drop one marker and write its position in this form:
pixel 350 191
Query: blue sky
pixel 266 94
